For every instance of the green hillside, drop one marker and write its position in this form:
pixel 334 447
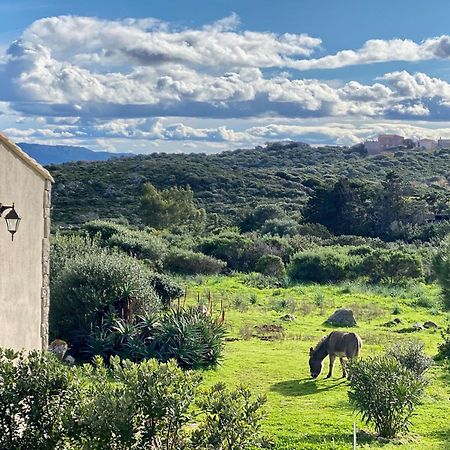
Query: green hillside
pixel 226 183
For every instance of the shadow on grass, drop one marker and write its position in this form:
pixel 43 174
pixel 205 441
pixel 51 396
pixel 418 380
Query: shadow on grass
pixel 306 386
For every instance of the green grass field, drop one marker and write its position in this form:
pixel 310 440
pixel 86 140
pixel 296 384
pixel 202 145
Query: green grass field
pixel 307 414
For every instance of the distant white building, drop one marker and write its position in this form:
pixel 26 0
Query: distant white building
pixel 427 144
pixel 443 143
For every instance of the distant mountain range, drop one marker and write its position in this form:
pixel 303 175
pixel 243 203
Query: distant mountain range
pixel 58 154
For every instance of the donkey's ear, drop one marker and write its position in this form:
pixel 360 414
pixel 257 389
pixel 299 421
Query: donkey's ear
pixel 311 351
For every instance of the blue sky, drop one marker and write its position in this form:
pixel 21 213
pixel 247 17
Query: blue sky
pixel 205 76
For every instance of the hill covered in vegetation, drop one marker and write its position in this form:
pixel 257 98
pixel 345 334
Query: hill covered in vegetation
pixel 231 182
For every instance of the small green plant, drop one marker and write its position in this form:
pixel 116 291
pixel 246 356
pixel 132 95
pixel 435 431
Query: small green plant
pixel 319 300
pixel 240 303
pixel 271 265
pixel 385 393
pixel 411 355
pixel 397 310
pixel 441 268
pixel 231 420
pixel 444 347
pixel 253 298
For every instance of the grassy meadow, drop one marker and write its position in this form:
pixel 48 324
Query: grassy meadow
pixel 307 414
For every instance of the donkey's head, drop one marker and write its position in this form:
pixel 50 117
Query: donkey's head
pixel 315 364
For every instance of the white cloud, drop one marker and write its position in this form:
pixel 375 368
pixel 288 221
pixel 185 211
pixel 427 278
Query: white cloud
pixel 86 78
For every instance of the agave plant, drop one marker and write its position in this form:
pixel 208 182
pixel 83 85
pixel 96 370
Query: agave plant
pixel 191 337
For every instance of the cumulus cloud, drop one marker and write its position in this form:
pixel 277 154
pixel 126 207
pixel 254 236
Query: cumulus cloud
pixel 101 79
pixel 379 50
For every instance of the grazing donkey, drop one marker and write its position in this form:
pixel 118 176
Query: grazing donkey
pixel 337 343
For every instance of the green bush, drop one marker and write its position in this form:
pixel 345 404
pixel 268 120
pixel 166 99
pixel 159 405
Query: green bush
pixel 385 393
pixel 90 285
pixel 166 289
pixel 411 355
pixel 392 266
pixel 33 400
pixel 188 262
pixel 322 265
pixel 444 346
pixel 271 266
pixel 46 405
pixel 191 337
pixel 140 244
pixel 231 420
pixel 441 267
pixel 231 247
pixel 64 248
pixel 130 405
pixel 105 229
pixel 284 226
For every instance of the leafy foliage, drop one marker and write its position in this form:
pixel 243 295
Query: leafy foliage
pixel 271 265
pixel 90 285
pixel 322 265
pixel 33 400
pixel 232 420
pixel 385 393
pixel 189 336
pixel 45 405
pixel 170 207
pixel 411 355
pixel 441 266
pixel 393 266
pixel 188 262
pixel 287 174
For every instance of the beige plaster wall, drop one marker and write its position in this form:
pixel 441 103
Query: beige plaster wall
pixel 23 265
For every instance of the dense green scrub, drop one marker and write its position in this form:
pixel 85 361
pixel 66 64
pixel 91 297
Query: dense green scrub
pixel 307 414
pixel 229 182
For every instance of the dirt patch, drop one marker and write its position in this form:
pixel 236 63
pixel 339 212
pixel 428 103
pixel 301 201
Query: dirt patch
pixel 269 332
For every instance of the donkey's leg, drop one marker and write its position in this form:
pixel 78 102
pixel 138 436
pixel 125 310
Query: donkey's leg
pixel 343 365
pixel 332 358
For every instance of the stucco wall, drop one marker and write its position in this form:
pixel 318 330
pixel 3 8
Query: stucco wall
pixel 24 261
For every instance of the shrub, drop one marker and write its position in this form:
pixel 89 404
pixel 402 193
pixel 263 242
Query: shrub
pixel 314 229
pixel 90 285
pixel 166 289
pixel 188 262
pixel 45 405
pixel 231 420
pixel 146 406
pixel 64 248
pixel 140 244
pixel 191 337
pixel 441 267
pixel 230 247
pixel 284 226
pixel 103 228
pixel 271 266
pixel 411 355
pixel 385 393
pixel 444 347
pixel 260 215
pixel 33 400
pixel 322 265
pixel 392 266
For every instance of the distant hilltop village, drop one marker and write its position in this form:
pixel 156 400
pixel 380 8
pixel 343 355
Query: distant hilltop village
pixel 387 142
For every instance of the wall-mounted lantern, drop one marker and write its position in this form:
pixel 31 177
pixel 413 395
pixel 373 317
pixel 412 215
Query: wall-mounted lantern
pixel 12 219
